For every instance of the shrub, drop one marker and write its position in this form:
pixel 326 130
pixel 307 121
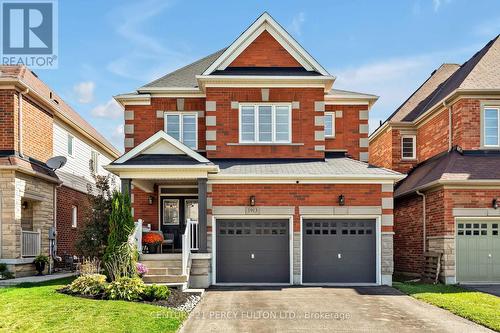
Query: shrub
pixel 125 289
pixel 90 266
pixel 90 285
pixel 155 293
pixel 123 262
pixel 4 272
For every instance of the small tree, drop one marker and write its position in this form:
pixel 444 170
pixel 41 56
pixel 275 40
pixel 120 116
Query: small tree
pixel 93 238
pixel 121 227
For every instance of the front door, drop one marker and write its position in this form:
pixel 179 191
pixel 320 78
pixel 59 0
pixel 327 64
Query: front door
pixel 174 213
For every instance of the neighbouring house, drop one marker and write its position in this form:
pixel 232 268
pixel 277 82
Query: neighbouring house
pixel 36 124
pixel 446 137
pixel 255 167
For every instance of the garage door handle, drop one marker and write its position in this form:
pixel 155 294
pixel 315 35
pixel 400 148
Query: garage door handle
pixel 252 256
pixel 339 255
pixel 489 255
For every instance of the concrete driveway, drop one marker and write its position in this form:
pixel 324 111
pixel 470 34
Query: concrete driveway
pixel 493 289
pixel 312 309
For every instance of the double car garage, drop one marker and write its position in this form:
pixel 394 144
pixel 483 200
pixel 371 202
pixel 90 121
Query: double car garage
pixel 260 251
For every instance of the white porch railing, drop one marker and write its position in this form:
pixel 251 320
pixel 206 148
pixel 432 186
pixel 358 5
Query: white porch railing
pixel 186 246
pixel 194 235
pixel 30 243
pixel 138 235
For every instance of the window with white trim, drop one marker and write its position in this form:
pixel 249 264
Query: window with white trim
pixel 183 126
pixel 408 147
pixel 70 144
pixel 74 216
pixel 491 127
pixel 265 123
pixel 329 124
pixel 94 161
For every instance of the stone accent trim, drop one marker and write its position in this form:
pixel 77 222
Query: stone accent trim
pixel 363 142
pixel 129 115
pixel 387 188
pixel 129 142
pixel 209 188
pixel 210 106
pixel 387 220
pixel 446 246
pixel 340 210
pixel 319 148
pixel 180 104
pixel 295 105
pixel 339 114
pixel 235 105
pixel 387 203
pixel 160 114
pixel 475 212
pixel 363 114
pixel 262 210
pixel 265 94
pixel 363 128
pixel 210 147
pixel 364 156
pixel 319 106
pixel 201 114
pixel 211 135
pixel 209 203
pixel 128 129
pixel 319 121
pixel 319 135
pixel 387 253
pixel 211 120
pixel 296 257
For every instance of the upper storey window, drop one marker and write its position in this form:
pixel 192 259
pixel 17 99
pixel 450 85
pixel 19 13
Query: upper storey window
pixel 329 124
pixel 265 123
pixel 183 126
pixel 408 147
pixel 491 127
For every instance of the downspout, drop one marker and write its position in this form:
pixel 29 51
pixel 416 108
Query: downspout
pixel 424 233
pixel 450 127
pixel 20 121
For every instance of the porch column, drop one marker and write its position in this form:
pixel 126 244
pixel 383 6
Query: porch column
pixel 126 186
pixel 202 215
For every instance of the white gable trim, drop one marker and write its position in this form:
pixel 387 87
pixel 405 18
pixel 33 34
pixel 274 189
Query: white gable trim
pixel 266 22
pixel 161 135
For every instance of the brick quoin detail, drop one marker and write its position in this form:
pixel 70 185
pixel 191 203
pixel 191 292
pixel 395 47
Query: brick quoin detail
pixel 67 235
pixel 347 130
pixel 265 51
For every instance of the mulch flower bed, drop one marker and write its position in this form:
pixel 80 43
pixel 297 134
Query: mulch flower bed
pixel 177 300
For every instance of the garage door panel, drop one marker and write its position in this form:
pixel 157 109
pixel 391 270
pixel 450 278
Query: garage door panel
pixel 339 251
pixel 252 251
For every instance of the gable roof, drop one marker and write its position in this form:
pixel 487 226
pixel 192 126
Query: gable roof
pixel 24 75
pixel 163 144
pixel 266 22
pixel 452 166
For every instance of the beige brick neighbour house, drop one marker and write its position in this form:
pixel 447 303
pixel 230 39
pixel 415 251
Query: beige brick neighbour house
pixel 446 137
pixel 35 125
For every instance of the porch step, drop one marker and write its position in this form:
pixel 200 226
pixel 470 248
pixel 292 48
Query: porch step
pixel 162 263
pixel 164 279
pixel 160 256
pixel 164 270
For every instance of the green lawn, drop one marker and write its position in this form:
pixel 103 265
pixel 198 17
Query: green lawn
pixel 476 306
pixel 39 308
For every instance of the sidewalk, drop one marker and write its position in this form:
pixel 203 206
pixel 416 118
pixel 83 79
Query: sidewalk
pixel 34 279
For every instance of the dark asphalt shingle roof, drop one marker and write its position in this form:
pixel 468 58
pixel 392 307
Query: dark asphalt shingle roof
pixel 452 166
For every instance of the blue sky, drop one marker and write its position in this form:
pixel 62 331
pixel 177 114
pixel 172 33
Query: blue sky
pixel 382 47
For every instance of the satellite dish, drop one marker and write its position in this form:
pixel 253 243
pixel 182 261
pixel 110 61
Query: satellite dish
pixel 56 162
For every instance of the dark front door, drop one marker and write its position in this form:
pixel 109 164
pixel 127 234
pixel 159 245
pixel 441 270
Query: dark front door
pixel 252 251
pixel 339 251
pixel 174 211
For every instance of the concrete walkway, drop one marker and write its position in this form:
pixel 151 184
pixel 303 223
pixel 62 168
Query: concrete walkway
pixel 34 279
pixel 313 309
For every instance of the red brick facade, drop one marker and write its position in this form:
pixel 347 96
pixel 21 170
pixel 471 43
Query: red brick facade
pixel 37 131
pixel 8 120
pixel 66 234
pixel 265 51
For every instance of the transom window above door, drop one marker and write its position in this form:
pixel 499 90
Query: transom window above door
pixel 183 126
pixel 265 123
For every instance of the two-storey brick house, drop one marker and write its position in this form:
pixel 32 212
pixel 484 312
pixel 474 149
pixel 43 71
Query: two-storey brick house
pixel 446 137
pixel 35 125
pixel 252 153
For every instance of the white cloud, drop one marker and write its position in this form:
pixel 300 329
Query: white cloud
pixel 117 136
pixel 436 4
pixel 84 92
pixel 394 79
pixel 297 22
pixel 111 109
pixel 147 57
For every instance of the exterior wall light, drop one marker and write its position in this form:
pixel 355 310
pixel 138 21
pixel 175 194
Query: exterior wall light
pixel 341 200
pixel 494 203
pixel 252 200
pixel 150 199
